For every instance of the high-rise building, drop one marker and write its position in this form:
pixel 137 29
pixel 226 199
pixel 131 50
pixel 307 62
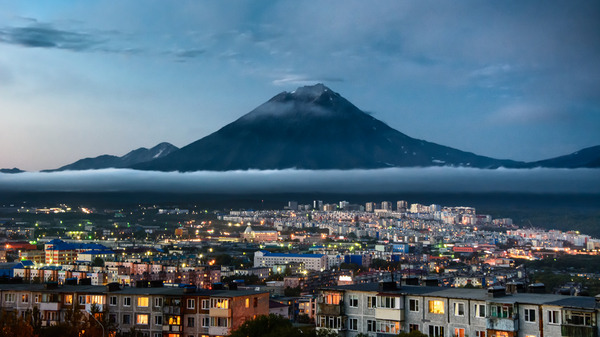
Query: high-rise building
pixel 401 206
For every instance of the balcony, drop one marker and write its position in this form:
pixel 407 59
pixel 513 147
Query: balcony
pixel 171 328
pixel 329 309
pixel 218 331
pixel 503 324
pixel 217 312
pixel 172 310
pixel 578 330
pixel 389 314
pixel 49 306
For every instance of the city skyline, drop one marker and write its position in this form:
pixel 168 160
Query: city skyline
pixel 511 80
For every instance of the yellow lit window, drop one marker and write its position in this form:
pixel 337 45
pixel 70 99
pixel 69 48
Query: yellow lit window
pixel 142 301
pixel 174 320
pixel 436 307
pixel 141 319
pixel 333 298
pixel 220 303
pixel 247 303
pixel 68 299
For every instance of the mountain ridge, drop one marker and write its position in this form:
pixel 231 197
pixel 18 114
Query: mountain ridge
pixel 133 157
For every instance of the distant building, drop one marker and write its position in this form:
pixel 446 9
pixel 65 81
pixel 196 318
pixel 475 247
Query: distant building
pixel 263 258
pixel 251 235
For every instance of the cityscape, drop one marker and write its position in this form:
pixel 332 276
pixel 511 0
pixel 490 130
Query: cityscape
pixel 339 168
pixel 378 267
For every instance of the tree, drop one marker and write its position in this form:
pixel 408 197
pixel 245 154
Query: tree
pixel 14 326
pixel 267 326
pixel 98 262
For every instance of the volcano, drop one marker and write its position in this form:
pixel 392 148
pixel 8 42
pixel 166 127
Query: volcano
pixel 312 128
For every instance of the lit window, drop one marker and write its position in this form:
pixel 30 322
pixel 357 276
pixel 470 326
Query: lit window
pixel 220 303
pixel 141 319
pixel 69 299
pixel 332 298
pixel 247 303
pixel 459 332
pixel 436 307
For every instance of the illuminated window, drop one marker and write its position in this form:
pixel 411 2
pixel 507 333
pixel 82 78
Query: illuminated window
pixel 95 299
pixel 220 303
pixel 142 301
pixel 459 332
pixel 480 333
pixel 332 298
pixel 247 303
pixel 69 299
pixel 388 327
pixel 174 320
pixel 436 307
pixel 141 319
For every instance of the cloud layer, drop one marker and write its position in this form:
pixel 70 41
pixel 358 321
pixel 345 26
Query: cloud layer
pixel 435 179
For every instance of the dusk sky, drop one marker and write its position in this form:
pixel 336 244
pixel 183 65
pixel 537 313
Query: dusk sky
pixel 511 79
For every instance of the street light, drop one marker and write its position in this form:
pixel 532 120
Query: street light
pixel 101 325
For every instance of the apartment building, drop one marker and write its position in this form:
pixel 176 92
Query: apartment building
pixel 155 311
pixel 386 309
pixel 263 258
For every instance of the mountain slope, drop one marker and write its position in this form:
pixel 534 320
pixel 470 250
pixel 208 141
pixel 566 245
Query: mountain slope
pixel 588 157
pixel 10 171
pixel 312 128
pixel 107 161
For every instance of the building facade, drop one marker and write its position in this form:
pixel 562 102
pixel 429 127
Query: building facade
pixel 154 311
pixel 385 309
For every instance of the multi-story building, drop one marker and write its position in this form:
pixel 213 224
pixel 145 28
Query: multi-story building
pixel 385 310
pixel 263 258
pixel 154 311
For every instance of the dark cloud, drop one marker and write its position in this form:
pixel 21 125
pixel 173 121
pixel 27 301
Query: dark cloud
pixel 435 179
pixel 44 36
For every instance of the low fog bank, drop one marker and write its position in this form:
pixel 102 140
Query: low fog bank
pixel 390 180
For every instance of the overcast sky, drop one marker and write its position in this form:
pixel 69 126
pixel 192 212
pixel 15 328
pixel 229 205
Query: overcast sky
pixel 507 79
